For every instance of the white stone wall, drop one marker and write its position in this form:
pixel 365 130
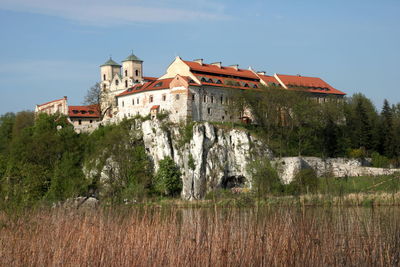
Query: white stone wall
pixel 288 167
pixel 53 107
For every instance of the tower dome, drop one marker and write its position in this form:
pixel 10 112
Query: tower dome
pixel 132 57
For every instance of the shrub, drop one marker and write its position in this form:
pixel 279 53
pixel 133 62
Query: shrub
pixel 358 153
pixel 265 179
pixel 168 178
pixel 305 181
pixel 379 161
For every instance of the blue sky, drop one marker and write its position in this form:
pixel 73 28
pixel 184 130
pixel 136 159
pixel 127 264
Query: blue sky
pixel 52 48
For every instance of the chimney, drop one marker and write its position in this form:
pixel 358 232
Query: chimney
pixel 235 66
pixel 218 64
pixel 261 72
pixel 65 97
pixel 200 61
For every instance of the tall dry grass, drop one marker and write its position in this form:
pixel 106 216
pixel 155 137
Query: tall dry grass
pixel 202 237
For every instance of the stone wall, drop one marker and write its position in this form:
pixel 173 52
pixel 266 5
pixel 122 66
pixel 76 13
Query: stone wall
pixel 288 167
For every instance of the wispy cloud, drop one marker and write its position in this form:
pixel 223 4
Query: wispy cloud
pixel 105 12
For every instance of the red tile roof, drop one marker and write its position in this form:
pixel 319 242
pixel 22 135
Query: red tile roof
pixel 91 111
pixel 155 107
pixel 226 82
pixel 315 85
pixel 212 69
pixel 269 79
pixel 152 85
pixel 149 78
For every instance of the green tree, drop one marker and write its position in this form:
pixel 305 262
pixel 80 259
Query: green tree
pixel 168 180
pixel 265 179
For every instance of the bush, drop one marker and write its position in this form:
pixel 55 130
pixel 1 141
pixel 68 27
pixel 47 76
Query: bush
pixel 358 153
pixel 265 179
pixel 379 161
pixel 305 181
pixel 168 178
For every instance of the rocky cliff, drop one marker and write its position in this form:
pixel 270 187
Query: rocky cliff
pixel 209 157
pixel 212 157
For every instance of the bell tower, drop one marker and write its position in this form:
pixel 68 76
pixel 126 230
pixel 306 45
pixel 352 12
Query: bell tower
pixel 107 71
pixel 132 70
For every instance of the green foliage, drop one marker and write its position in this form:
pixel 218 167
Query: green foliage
pixel 358 153
pixel 265 179
pixel 163 115
pixel 379 161
pixel 168 180
pixel 191 164
pixel 186 133
pixel 305 182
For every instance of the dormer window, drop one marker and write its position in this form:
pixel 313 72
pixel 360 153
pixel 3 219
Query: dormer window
pixel 255 86
pixel 218 82
pixel 158 84
pixel 246 85
pixel 210 80
pixel 203 80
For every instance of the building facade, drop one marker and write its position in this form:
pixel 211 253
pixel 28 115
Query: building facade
pixel 193 90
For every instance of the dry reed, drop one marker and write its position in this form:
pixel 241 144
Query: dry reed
pixel 202 237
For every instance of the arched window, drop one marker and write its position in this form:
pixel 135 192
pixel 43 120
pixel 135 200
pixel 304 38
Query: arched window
pixel 126 73
pixel 137 72
pixel 126 83
pixel 104 77
pixel 116 82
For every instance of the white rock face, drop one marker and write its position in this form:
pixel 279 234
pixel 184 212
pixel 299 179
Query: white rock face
pixel 288 167
pixel 210 159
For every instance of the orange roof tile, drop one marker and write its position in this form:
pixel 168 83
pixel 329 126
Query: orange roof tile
pixel 152 85
pixel 268 79
pixel 91 111
pixel 315 84
pixel 155 107
pixel 212 69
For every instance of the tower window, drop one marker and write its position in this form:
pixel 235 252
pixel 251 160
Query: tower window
pixel 126 84
pixel 151 99
pixel 126 73
pixel 116 82
pixel 104 77
pixel 104 86
pixel 209 111
pixel 205 99
pixel 137 72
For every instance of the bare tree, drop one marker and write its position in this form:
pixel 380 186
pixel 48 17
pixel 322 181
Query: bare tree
pixel 96 96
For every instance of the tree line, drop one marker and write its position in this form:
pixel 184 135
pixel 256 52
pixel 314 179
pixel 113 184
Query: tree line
pixel 297 123
pixel 43 160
